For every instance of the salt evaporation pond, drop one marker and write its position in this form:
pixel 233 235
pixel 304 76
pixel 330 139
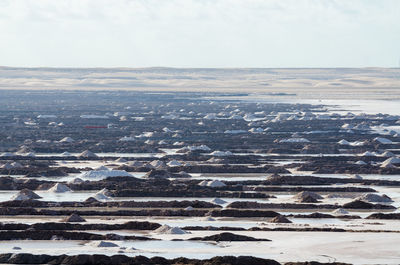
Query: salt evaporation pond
pixel 284 247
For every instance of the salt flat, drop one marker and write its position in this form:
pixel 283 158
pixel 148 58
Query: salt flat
pixel 313 169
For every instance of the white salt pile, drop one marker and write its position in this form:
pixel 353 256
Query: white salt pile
pixel 76 181
pixel 390 161
pixel 104 192
pixel 295 140
pixel 59 188
pixel 67 140
pixel 212 183
pixel 344 142
pixel 371 197
pixel 73 218
pixel 387 154
pixel 87 154
pixel 367 153
pixel 121 160
pixel 221 153
pixel 382 140
pixel 102 195
pixel 304 194
pixel 183 174
pixel 174 163
pixel 355 176
pixel 103 244
pixel 166 229
pixel 156 164
pixel 25 194
pixel 340 211
pixel 218 201
pixel 360 163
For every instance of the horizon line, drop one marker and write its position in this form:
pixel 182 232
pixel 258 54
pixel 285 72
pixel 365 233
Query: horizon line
pixel 187 68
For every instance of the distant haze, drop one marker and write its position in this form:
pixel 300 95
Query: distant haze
pixel 200 33
pixel 317 83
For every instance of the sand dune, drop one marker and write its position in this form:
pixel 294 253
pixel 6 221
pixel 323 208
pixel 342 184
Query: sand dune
pixel 322 83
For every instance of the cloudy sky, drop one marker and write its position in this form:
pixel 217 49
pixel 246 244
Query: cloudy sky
pixel 200 33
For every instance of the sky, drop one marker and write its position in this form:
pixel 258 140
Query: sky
pixel 200 33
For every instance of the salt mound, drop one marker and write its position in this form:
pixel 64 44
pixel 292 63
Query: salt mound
pixel 166 229
pixel 127 139
pixel 91 200
pixel 212 183
pixel 7 166
pixel 101 168
pixel 154 173
pixel 104 244
pixel 367 153
pixel 203 183
pixel 121 160
pixel 344 142
pixel 304 194
pixel 20 197
pixel 156 164
pixel 340 211
pixel 104 174
pixel 208 219
pixel 387 154
pixel 215 160
pixel 25 194
pixel 216 183
pixel 104 192
pixel 182 174
pixel 101 197
pixel 221 153
pixel 58 188
pixel 382 140
pixel 189 208
pixel 371 197
pixel 66 154
pixel 256 130
pixel 360 163
pixel 174 163
pixel 73 218
pixel 355 176
pixel 67 140
pixel 218 201
pixel 392 160
pixel 295 140
pixel 280 219
pixel 199 148
pixel 87 154
pixel 76 181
